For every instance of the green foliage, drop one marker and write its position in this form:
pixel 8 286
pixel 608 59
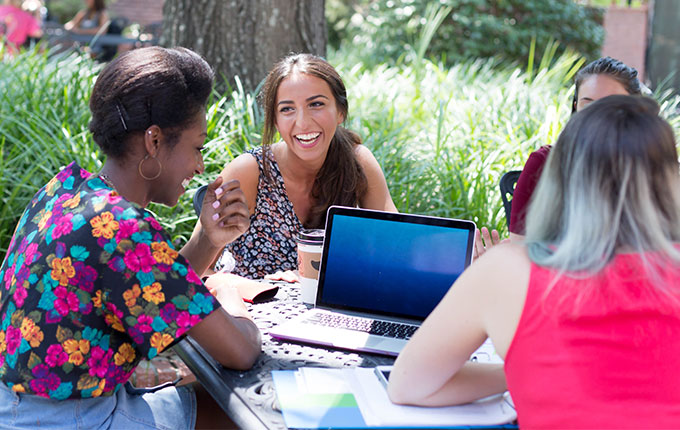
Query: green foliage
pixel 43 118
pixel 443 135
pixel 63 11
pixel 391 30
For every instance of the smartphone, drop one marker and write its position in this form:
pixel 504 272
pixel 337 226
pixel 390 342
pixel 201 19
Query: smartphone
pixel 383 374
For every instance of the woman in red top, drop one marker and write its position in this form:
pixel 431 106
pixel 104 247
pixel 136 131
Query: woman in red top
pixel 585 312
pixel 17 25
pixel 601 78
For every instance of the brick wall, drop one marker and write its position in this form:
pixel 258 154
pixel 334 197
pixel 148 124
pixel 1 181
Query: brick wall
pixel 143 12
pixel 626 36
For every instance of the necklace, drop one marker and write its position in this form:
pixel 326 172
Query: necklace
pixel 106 180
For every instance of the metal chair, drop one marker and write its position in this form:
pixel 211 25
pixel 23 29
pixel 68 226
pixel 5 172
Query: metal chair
pixel 198 199
pixel 507 184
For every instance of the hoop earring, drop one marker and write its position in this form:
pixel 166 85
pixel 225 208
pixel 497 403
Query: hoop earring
pixel 139 168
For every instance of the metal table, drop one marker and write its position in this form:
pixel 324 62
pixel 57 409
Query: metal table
pixel 249 397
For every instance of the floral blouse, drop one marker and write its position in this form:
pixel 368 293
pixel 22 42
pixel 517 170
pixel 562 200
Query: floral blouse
pixel 91 284
pixel 269 243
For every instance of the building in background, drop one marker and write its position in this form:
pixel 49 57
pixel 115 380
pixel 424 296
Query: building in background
pixel 644 35
pixel 626 34
pixel 663 54
pixel 144 13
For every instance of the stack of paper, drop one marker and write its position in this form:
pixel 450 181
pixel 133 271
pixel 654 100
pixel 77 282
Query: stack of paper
pixel 355 398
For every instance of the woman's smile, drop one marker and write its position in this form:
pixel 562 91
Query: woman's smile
pixel 308 140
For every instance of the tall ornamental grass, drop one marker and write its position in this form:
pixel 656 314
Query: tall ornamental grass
pixel 444 136
pixel 43 126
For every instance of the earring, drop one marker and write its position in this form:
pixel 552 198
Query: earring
pixel 160 168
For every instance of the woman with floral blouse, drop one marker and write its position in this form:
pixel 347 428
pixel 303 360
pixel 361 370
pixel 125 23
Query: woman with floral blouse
pixel 92 284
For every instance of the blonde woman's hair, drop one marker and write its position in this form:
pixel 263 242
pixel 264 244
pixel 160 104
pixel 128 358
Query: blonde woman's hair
pixel 611 185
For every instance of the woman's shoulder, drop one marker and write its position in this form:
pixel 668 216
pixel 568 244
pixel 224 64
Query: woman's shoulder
pixel 539 156
pixel 362 152
pixel 246 169
pixel 503 269
pixel 365 157
pixel 506 255
pixel 244 166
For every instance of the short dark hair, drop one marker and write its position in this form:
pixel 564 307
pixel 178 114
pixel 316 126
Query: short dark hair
pixel 145 87
pixel 615 69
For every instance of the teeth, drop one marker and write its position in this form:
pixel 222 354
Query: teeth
pixel 308 136
pixel 185 183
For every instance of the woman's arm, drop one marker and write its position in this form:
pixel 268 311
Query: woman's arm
pixel 524 189
pixel 485 301
pixel 228 334
pixel 224 217
pixel 73 24
pixel 377 195
pixel 243 169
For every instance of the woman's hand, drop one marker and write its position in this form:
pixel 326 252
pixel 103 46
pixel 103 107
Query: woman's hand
pixel 224 286
pixel 484 241
pixel 228 334
pixel 287 276
pixel 224 216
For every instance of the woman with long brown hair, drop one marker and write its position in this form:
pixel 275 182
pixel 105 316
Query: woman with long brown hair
pixel 290 184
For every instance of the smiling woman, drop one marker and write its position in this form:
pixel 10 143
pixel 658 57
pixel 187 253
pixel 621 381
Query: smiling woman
pixel 290 184
pixel 92 283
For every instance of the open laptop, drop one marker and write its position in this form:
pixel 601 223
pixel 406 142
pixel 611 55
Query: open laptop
pixel 381 274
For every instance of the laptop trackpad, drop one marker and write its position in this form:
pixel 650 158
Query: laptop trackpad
pixel 364 341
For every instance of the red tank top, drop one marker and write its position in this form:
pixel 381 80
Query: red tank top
pixel 610 359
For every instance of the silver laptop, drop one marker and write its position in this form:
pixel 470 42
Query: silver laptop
pixel 381 274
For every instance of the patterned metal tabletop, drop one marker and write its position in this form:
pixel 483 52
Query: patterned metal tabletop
pixel 249 397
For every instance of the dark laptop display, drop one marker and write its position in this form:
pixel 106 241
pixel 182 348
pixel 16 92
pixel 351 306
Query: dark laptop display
pixel 381 275
pixel 390 264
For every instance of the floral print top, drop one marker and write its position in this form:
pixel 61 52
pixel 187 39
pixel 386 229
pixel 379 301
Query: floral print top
pixel 91 284
pixel 269 243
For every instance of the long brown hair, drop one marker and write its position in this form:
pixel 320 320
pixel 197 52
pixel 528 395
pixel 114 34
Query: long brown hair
pixel 97 6
pixel 341 180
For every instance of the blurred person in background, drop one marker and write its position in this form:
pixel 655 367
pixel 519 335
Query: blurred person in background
pixel 89 20
pixel 17 25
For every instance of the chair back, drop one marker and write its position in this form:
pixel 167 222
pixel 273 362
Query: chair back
pixel 198 199
pixel 507 184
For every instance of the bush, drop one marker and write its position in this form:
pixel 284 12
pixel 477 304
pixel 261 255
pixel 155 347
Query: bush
pixel 44 120
pixel 64 10
pixel 443 135
pixel 386 30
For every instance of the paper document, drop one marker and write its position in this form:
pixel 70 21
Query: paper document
pixel 379 411
pixel 355 398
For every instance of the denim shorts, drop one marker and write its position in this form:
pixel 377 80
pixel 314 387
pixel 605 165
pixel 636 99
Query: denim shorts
pixel 130 408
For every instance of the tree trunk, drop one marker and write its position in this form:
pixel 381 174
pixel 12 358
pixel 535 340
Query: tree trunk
pixel 245 38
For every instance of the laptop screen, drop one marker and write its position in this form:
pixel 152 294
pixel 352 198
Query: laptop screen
pixel 391 264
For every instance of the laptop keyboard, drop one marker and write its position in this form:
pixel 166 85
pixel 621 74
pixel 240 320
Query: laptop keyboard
pixel 366 325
